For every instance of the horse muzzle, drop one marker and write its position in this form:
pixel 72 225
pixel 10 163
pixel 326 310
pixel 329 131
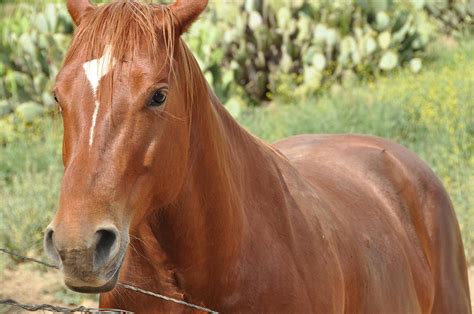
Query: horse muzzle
pixel 90 264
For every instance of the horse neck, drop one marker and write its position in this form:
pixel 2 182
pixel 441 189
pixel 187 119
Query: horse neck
pixel 203 231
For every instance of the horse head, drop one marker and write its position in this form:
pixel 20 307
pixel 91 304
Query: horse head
pixel 125 92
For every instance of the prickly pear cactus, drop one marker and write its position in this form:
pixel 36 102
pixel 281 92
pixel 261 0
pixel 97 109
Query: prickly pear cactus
pixel 266 48
pixel 275 47
pixel 31 49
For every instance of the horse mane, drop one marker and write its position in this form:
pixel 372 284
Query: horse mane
pixel 127 26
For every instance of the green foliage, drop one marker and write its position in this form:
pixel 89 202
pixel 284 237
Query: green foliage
pixel 32 46
pixel 249 53
pixel 29 211
pixel 30 171
pixel 452 15
pixel 302 47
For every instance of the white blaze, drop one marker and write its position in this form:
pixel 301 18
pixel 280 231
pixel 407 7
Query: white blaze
pixel 95 70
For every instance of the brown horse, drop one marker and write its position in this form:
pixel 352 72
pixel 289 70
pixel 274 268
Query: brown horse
pixel 162 189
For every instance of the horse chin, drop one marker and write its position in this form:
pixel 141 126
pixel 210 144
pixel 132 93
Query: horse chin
pixel 108 286
pixel 104 288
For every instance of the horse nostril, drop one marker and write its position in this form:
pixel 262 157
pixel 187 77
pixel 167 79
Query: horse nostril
pixel 105 243
pixel 49 247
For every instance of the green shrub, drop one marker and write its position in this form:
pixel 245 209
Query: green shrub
pixel 298 48
pixel 451 16
pixel 32 46
pixel 28 202
pixel 30 173
pixel 249 53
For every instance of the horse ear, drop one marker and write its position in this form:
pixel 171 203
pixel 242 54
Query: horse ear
pixel 78 9
pixel 187 11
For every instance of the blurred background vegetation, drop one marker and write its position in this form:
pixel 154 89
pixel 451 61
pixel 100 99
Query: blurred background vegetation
pixel 401 69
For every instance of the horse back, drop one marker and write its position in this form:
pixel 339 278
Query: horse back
pixel 393 224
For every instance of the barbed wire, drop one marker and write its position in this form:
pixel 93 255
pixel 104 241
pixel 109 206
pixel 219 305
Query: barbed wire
pixel 52 308
pixel 153 294
pixel 29 259
pixel 82 309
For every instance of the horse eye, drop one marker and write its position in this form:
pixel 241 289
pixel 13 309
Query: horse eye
pixel 158 99
pixel 56 98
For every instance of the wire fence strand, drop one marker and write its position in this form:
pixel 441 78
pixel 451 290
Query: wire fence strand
pixel 59 309
pixel 153 294
pixel 27 259
pixel 82 309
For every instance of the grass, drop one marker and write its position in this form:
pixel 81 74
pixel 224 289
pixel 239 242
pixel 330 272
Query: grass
pixel 30 172
pixel 430 113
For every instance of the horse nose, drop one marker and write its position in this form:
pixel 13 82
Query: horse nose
pixel 103 248
pixel 106 246
pixel 49 247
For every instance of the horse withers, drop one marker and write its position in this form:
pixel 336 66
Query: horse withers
pixel 164 190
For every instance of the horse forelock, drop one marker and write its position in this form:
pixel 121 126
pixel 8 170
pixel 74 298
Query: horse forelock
pixel 126 28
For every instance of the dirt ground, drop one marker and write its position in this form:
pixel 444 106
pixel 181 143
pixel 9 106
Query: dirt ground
pixel 27 284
